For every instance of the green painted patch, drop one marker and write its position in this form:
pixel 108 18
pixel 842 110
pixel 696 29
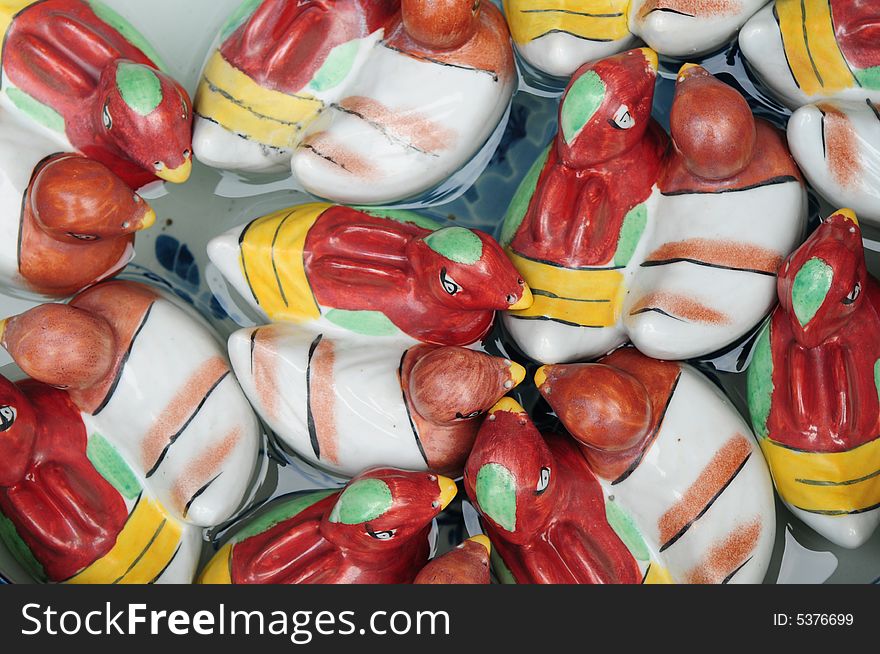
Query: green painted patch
pixel 877 377
pixel 496 495
pixel 36 110
pixel 238 17
pixel 139 87
pixel 361 502
pixel 582 101
pixel 127 30
pixel 402 216
pixel 625 528
pixel 337 66
pixel 19 549
pixel 519 206
pixel 499 567
pixel 280 512
pixel 367 323
pixel 759 383
pixel 869 78
pixel 811 285
pixel 112 467
pixel 456 244
pixel 630 234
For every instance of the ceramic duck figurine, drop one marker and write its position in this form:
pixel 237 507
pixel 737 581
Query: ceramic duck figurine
pixel 72 509
pixel 647 490
pixel 624 235
pixel 467 564
pixel 154 382
pixel 349 407
pixel 373 532
pixel 559 36
pixel 67 224
pixel 813 385
pixel 80 72
pixel 813 50
pixel 383 134
pixel 391 274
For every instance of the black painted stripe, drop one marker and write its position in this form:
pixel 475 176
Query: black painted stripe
pixel 313 432
pixel 243 258
pixel 326 157
pixel 635 464
pixel 784 51
pixel 189 420
pixel 245 137
pixel 121 369
pixel 667 10
pixel 554 264
pixel 143 552
pixel 647 572
pixel 874 108
pixel 708 506
pixel 735 572
pixel 254 346
pixel 167 565
pixel 231 98
pixel 656 310
pixel 773 181
pixel 571 12
pixel 412 423
pixel 198 494
pixel 446 64
pixel 553 296
pixel 797 449
pixel 394 138
pixel 549 319
pixel 848 482
pixel 706 264
pixel 577 36
pixel 274 266
pixel 838 513
pixel 807 44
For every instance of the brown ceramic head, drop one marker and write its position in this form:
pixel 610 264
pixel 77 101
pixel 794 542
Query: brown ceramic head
pixel 61 345
pixel 466 564
pixel 712 125
pixel 452 384
pixel 76 199
pixel 440 24
pixel 602 407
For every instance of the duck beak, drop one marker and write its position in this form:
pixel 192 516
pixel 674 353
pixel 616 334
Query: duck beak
pixel 541 376
pixel 652 58
pixel 525 302
pixel 448 491
pixel 176 175
pixel 3 324
pixel 482 540
pixel 507 404
pixel 148 220
pixel 517 374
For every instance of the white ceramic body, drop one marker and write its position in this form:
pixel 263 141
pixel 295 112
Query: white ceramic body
pixel 761 43
pixel 743 297
pixel 854 184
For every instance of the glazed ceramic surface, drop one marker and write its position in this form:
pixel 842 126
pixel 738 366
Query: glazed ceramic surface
pixel 373 532
pixel 162 431
pixel 622 236
pixel 369 102
pixel 559 36
pixel 466 564
pixel 810 50
pixel 814 384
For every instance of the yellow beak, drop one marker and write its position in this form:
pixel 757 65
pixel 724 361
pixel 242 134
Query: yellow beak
pixel 652 58
pixel 525 302
pixel 448 491
pixel 484 541
pixel 148 220
pixel 541 376
pixel 176 175
pixel 849 214
pixel 3 325
pixel 517 373
pixel 507 404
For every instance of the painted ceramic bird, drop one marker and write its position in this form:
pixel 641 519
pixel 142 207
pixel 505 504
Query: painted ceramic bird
pixel 810 50
pixel 147 375
pixel 77 222
pixel 370 273
pixel 466 564
pixel 373 532
pixel 71 508
pixel 350 407
pixel 813 385
pixel 624 235
pixel 78 69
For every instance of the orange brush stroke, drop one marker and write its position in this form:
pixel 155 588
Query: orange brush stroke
pixel 202 470
pixel 698 8
pixel 410 126
pixel 681 306
pixel 322 398
pixel 841 146
pixel 727 556
pixel 729 254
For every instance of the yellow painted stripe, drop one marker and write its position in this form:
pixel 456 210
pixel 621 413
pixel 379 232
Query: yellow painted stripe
pixel 813 55
pixel 272 262
pixel 8 9
pixel 238 103
pixel 591 298
pixel 856 486
pixel 143 549
pixel 217 572
pixel 657 574
pixel 600 20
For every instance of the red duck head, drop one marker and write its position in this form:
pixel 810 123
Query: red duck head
pixel 467 270
pixel 60 345
pixel 607 108
pixel 148 116
pixel 17 433
pixel 441 24
pixel 509 474
pixel 450 385
pixel 80 200
pixel 386 508
pixel 820 285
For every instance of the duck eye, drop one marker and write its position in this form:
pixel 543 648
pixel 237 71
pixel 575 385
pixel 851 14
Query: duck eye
pixel 159 166
pixel 622 118
pixel 105 115
pixel 382 535
pixel 449 284
pixel 7 417
pixel 543 481
pixel 185 114
pixel 476 6
pixel 853 294
pixel 82 237
pixel 470 416
pixel 186 153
